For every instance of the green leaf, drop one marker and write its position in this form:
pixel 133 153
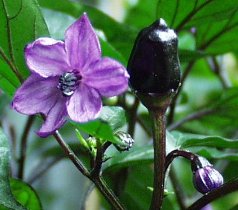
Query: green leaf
pixel 6 86
pixel 5 72
pixel 25 195
pixel 136 156
pixel 190 55
pixel 215 22
pixel 4 102
pixel 109 121
pixel 212 153
pixel 6 199
pixel 21 23
pixel 222 119
pixel 185 14
pixel 141 14
pixel 218 38
pixel 185 140
pixel 137 183
pixel 121 36
pixel 110 51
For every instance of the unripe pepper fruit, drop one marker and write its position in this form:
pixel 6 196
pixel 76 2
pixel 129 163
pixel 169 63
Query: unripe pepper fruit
pixel 154 64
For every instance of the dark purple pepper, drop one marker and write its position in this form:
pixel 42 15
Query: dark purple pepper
pixel 154 65
pixel 207 179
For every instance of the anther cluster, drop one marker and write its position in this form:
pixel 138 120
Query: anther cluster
pixel 68 83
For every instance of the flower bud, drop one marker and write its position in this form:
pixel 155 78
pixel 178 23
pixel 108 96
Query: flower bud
pixel 207 207
pixel 199 162
pixel 126 141
pixel 154 65
pixel 207 179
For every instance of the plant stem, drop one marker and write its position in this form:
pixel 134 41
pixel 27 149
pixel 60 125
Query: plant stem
pixel 23 147
pixel 71 155
pixel 122 175
pixel 41 172
pixel 179 193
pixel 174 101
pixel 133 117
pixel 108 193
pixel 97 163
pixel 178 153
pixel 216 67
pixel 190 117
pixel 97 180
pixel 225 189
pixel 159 141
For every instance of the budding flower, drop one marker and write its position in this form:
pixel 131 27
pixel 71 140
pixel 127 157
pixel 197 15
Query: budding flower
pixel 207 179
pixel 154 65
pixel 126 140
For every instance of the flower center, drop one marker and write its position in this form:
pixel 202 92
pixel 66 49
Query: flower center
pixel 68 82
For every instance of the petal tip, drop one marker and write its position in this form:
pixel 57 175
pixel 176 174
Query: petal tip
pixel 84 17
pixel 44 134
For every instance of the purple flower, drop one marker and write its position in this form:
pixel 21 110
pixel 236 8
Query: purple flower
pixel 207 179
pixel 68 78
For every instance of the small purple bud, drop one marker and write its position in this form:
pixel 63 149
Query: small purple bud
pixel 207 179
pixel 207 207
pixel 199 162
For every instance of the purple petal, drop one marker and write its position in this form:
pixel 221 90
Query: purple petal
pixel 46 57
pixel 82 44
pixel 108 76
pixel 55 118
pixel 84 105
pixel 36 95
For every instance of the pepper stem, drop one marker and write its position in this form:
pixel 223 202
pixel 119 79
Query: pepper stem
pixel 159 141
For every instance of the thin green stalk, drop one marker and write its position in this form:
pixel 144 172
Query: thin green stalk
pixel 23 146
pixel 122 174
pixel 97 180
pixel 179 193
pixel 71 155
pixel 108 193
pixel 40 172
pixel 174 101
pixel 159 141
pixel 133 117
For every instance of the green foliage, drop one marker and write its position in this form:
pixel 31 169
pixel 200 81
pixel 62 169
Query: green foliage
pixel 194 140
pixel 136 156
pixel 220 111
pixel 21 23
pixel 6 199
pixel 109 121
pixel 206 28
pixel 138 181
pixel 25 195
pixel 15 194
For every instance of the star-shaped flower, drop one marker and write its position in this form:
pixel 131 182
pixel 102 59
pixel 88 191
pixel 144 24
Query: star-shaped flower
pixel 68 78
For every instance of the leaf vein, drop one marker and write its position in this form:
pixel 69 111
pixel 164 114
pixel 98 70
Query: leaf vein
pixel 17 13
